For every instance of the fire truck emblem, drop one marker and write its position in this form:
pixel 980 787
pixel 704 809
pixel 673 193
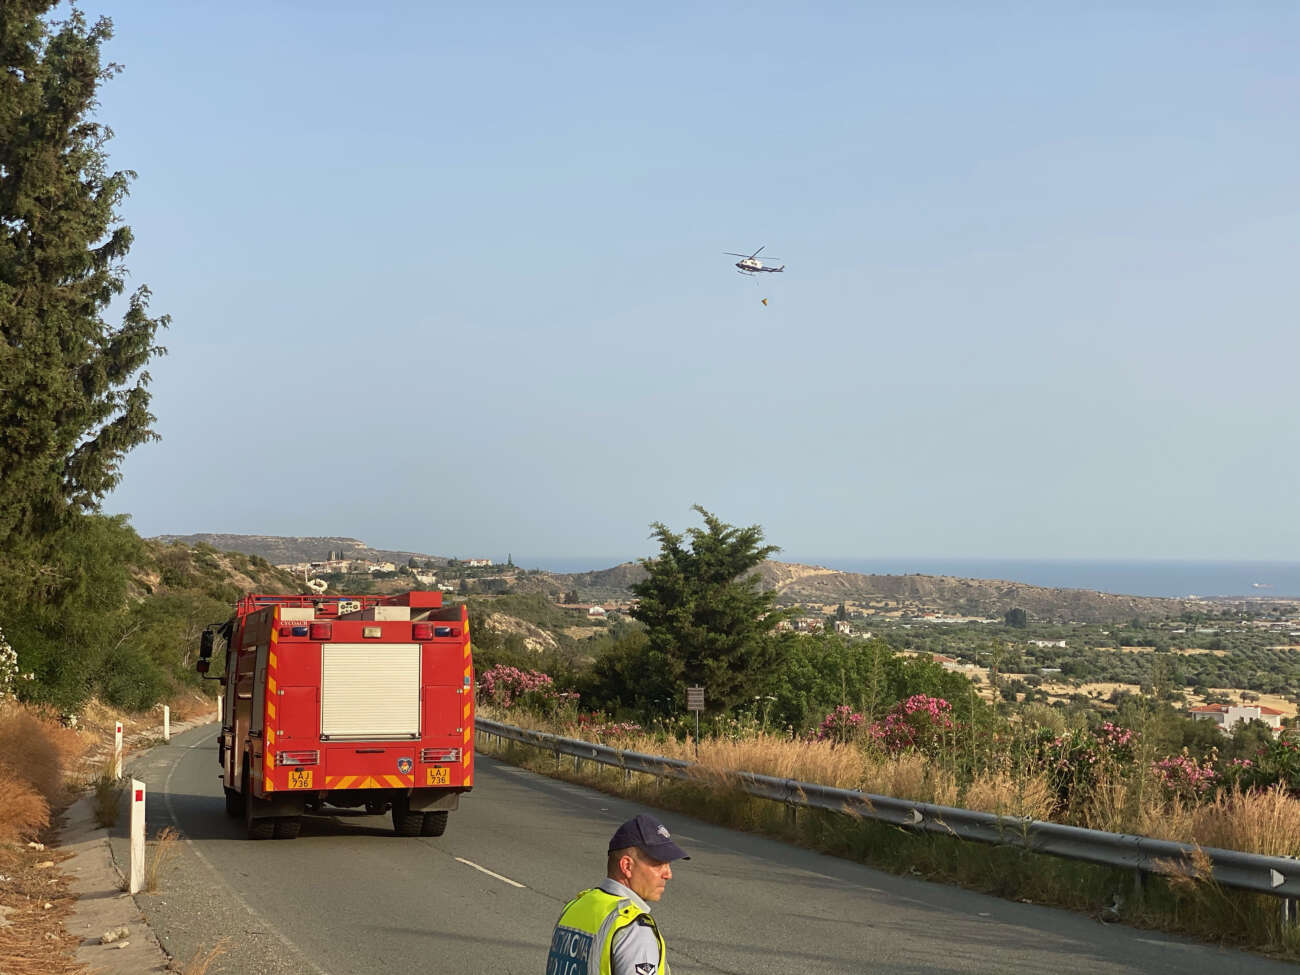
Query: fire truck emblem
pixel 404 765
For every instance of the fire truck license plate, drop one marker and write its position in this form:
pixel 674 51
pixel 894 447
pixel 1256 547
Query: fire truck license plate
pixel 437 776
pixel 299 778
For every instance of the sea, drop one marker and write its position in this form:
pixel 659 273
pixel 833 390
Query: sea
pixel 1169 578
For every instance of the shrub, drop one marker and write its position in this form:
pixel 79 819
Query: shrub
pixel 840 726
pixel 916 723
pixel 508 687
pixel 1181 775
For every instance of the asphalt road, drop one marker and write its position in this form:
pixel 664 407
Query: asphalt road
pixel 349 897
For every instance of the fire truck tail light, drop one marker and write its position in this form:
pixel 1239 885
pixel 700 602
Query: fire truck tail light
pixel 445 631
pixel 297 758
pixel 321 631
pixel 421 631
pixel 428 755
pixel 290 630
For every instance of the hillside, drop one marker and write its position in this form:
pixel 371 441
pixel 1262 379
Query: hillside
pixel 814 587
pixel 224 576
pixel 287 549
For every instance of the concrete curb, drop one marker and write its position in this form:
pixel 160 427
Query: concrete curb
pixel 102 904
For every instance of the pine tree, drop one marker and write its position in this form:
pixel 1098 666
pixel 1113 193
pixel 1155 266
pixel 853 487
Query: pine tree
pixel 705 614
pixel 73 396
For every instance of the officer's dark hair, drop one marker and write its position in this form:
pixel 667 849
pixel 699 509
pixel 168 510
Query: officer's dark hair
pixel 613 868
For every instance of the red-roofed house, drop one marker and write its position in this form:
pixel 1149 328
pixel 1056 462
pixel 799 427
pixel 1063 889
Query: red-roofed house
pixel 1228 716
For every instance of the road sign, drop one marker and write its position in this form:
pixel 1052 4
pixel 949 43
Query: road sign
pixel 695 699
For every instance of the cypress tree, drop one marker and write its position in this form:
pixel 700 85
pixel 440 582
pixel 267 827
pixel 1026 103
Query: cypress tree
pixel 73 397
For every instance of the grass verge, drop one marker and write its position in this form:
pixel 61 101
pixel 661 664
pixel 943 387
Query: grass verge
pixel 1185 902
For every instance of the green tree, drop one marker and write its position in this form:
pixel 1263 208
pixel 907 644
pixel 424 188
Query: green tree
pixel 74 398
pixel 704 613
pixel 1017 618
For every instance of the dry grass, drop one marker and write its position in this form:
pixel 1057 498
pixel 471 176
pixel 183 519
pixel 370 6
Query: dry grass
pixel 165 846
pixel 202 960
pixel 910 776
pixel 35 754
pixel 106 795
pixel 35 942
pixel 24 812
pixel 782 758
pixel 1005 793
pixel 1254 822
pixel 38 748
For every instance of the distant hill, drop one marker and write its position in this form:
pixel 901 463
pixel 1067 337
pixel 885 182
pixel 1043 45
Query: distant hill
pixel 288 549
pixel 813 587
pixel 817 586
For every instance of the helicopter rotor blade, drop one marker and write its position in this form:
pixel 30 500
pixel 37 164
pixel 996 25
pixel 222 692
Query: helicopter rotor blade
pixel 734 254
pixel 757 252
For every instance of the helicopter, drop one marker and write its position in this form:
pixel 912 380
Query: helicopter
pixel 752 264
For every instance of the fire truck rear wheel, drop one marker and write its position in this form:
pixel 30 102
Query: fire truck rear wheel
pixel 287 827
pixel 435 823
pixel 405 822
pixel 257 828
pixel 234 803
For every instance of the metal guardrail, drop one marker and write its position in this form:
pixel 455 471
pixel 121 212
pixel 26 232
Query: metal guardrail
pixel 1279 876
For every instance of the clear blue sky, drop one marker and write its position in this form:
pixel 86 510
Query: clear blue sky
pixel 450 278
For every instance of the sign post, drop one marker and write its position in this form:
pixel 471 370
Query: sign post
pixel 695 702
pixel 117 752
pixel 137 836
pixel 167 723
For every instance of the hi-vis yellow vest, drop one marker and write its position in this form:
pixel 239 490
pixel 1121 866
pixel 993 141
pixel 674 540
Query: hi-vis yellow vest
pixel 583 941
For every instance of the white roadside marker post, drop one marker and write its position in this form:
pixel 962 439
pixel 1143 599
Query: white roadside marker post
pixel 117 752
pixel 219 707
pixel 137 836
pixel 167 723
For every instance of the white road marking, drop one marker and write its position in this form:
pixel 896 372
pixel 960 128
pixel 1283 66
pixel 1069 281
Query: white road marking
pixel 507 880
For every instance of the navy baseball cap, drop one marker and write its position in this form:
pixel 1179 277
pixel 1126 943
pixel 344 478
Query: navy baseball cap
pixel 647 834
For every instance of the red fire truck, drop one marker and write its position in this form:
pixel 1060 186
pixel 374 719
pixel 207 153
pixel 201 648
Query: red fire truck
pixel 348 701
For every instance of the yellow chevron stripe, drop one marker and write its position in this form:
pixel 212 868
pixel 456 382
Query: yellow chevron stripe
pixel 270 681
pixel 270 710
pixel 271 660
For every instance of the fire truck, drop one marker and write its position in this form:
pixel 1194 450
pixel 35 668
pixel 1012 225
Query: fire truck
pixel 344 701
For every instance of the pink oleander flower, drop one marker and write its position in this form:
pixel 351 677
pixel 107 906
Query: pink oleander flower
pixel 913 723
pixel 840 725
pixel 1183 775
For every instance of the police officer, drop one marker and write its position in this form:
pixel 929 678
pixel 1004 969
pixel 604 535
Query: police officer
pixel 608 930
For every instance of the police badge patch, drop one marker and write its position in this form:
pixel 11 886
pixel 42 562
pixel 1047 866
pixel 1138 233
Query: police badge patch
pixel 404 765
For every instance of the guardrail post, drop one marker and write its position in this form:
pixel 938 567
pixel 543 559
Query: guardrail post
pixel 1289 912
pixel 577 765
pixel 167 723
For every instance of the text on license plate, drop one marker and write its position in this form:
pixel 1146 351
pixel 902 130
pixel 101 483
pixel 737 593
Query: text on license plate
pixel 437 776
pixel 300 778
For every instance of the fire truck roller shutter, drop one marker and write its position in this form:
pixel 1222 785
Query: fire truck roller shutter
pixel 370 691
